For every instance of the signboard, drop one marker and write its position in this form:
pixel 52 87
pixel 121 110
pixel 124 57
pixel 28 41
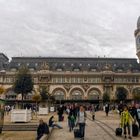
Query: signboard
pixel 43 111
pixel 52 109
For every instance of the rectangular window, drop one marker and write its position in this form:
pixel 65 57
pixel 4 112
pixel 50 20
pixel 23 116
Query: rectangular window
pixel 81 80
pixel 1 79
pixel 59 80
pixel 35 80
pixel 67 79
pixel 54 79
pixel 63 79
pixel 137 80
pixel 76 79
pixel 72 79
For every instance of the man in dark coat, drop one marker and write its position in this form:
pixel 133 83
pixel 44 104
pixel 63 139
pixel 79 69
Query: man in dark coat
pixel 42 129
pixel 138 115
pixel 107 109
pixel 60 113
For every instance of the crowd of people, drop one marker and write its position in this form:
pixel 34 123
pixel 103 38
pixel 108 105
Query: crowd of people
pixel 76 117
pixel 130 115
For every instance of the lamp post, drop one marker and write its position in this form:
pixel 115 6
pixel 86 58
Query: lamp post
pixel 1 114
pixel 2 101
pixel 60 101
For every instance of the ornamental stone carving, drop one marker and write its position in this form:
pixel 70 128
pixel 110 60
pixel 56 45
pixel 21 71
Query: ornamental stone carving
pixel 44 66
pixel 86 87
pixel 107 67
pixel 67 87
pixel 46 86
pixel 44 78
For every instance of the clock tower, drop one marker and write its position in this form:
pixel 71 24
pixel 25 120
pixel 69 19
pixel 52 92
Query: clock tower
pixel 137 36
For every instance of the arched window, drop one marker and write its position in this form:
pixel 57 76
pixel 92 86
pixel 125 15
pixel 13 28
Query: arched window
pixel 59 95
pixel 136 93
pixel 10 95
pixel 93 95
pixel 76 95
pixel 121 93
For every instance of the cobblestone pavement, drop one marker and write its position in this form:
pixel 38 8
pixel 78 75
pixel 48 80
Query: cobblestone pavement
pixel 94 129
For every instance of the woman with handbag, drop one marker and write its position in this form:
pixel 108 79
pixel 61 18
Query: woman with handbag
pixel 81 120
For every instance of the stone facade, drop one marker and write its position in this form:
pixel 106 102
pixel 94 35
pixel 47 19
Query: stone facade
pixel 77 78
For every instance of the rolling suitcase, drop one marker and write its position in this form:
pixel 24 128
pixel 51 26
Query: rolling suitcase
pixel 118 131
pixel 76 133
pixel 135 130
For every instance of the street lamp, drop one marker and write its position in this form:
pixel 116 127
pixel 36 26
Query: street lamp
pixel 2 90
pixel 1 114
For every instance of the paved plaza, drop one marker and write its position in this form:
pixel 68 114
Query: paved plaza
pixel 103 128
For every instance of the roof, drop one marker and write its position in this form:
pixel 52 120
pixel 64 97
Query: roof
pixel 3 61
pixel 3 56
pixel 72 63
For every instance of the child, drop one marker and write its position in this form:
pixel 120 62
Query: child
pixel 71 121
pixel 125 121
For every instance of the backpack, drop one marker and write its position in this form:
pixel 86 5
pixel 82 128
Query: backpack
pixel 72 118
pixel 46 131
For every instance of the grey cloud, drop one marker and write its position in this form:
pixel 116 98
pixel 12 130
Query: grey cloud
pixel 68 27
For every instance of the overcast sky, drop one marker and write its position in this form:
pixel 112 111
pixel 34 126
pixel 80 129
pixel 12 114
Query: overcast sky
pixel 80 28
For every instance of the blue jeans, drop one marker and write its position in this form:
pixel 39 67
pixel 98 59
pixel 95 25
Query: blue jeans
pixel 82 129
pixel 71 124
pixel 56 125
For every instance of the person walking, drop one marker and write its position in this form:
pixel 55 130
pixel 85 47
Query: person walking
pixel 71 121
pixel 81 120
pixel 126 118
pixel 93 112
pixel 42 130
pixel 60 113
pixel 138 115
pixel 106 109
pixel 71 117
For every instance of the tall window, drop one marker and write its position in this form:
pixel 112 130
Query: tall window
pixel 1 79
